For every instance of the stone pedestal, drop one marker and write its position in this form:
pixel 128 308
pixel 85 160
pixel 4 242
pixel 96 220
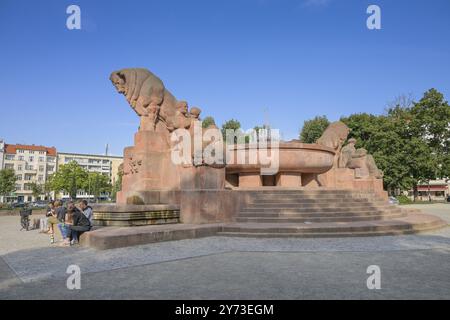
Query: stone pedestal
pixel 209 206
pixel 289 179
pixel 151 177
pixel 249 180
pixel 345 178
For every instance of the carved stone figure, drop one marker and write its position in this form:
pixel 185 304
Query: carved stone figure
pixel 153 103
pixel 346 153
pixel 334 137
pixel 364 165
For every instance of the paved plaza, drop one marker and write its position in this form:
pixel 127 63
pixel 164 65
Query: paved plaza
pixel 412 267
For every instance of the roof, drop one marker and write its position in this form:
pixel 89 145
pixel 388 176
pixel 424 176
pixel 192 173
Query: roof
pixel 432 188
pixel 12 148
pixel 89 155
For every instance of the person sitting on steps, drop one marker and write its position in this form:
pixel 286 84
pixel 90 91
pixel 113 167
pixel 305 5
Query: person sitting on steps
pixel 80 224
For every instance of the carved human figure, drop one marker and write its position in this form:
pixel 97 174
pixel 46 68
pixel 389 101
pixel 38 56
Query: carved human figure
pixel 346 153
pixel 365 163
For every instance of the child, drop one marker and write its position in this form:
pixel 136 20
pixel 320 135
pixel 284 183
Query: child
pixel 64 228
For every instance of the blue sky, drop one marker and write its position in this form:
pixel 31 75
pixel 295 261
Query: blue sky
pixel 233 59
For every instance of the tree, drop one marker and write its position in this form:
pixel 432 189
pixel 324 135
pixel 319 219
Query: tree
pixel 7 181
pixel 313 129
pixel 230 125
pixel 430 120
pixel 404 157
pixel 69 178
pixel 207 122
pixel 117 185
pixel 98 183
pixel 36 189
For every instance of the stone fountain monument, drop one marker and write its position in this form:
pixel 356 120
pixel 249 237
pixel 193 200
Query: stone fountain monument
pixel 328 188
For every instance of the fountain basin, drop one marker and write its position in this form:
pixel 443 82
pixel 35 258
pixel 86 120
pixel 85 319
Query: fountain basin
pixel 298 165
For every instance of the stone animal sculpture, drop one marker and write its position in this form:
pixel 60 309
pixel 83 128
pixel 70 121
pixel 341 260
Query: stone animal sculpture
pixel 334 137
pixel 153 103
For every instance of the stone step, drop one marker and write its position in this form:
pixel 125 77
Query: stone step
pixel 334 218
pixel 410 223
pixel 284 214
pixel 312 197
pixel 294 212
pixel 316 203
pixel 306 191
pixel 323 235
pixel 298 208
pixel 313 194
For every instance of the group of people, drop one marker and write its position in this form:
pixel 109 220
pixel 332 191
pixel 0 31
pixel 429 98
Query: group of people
pixel 70 221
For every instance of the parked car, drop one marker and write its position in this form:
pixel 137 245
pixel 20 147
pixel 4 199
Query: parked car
pixel 17 205
pixel 39 204
pixel 393 200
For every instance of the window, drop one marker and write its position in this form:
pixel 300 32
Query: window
pixel 40 177
pixel 50 168
pixel 19 177
pixel 18 187
pixel 41 168
pixel 31 158
pixel 31 151
pixel 9 166
pixel 41 159
pixel 28 177
pixel 19 167
pixel 20 151
pixel 41 152
pixel 29 167
pixel 21 158
pixel 27 187
pixel 9 157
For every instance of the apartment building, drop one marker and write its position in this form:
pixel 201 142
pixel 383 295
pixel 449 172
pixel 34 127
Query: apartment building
pixel 2 153
pixel 103 164
pixel 32 164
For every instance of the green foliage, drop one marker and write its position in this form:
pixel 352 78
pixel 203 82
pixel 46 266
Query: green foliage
pixel 410 144
pixel 37 189
pixel 69 178
pixel 117 185
pixel 230 124
pixel 430 120
pixel 313 129
pixel 207 122
pixel 402 199
pixel 98 183
pixel 7 181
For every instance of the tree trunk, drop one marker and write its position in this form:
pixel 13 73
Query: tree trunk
pixel 415 192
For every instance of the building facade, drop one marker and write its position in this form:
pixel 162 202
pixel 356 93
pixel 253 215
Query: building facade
pixel 103 164
pixel 435 190
pixel 32 164
pixel 2 153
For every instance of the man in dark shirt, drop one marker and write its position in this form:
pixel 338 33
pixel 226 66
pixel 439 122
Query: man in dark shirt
pixel 80 223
